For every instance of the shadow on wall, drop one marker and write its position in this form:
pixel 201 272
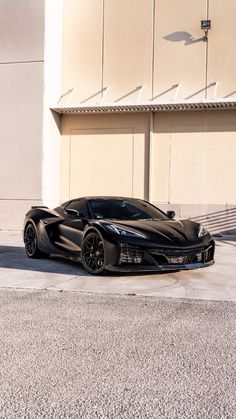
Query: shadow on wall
pixel 138 88
pixel 183 36
pixel 230 94
pixel 204 89
pixel 219 223
pixel 175 86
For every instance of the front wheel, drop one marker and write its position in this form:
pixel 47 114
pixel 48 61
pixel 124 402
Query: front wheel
pixel 31 242
pixel 93 253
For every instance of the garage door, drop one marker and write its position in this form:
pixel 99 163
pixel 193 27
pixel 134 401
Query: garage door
pixel 101 162
pixel 197 167
pixel 202 167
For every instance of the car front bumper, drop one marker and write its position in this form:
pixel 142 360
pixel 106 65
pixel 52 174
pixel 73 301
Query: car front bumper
pixel 139 259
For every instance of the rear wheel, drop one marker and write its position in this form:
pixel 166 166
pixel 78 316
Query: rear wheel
pixel 93 253
pixel 31 242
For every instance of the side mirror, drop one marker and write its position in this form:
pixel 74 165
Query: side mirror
pixel 171 214
pixel 75 213
pixel 72 212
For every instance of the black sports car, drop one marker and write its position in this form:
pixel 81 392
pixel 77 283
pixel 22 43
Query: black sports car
pixel 117 234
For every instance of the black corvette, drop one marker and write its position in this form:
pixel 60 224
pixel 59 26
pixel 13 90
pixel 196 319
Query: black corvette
pixel 117 234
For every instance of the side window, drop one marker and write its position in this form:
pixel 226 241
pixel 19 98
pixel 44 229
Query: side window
pixel 78 206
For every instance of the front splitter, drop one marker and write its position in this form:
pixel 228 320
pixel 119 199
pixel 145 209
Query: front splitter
pixel 158 268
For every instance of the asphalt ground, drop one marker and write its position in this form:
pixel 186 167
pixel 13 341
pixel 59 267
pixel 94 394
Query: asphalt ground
pixel 71 355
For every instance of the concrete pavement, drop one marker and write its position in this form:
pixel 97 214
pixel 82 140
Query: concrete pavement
pixel 75 354
pixel 217 282
pixel 72 356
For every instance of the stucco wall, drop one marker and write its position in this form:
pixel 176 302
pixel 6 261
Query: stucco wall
pixel 105 155
pixel 21 104
pixel 192 165
pixel 139 50
pixel 182 161
pixel 145 49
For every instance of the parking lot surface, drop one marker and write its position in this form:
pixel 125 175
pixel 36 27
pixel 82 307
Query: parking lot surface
pixel 217 282
pixel 71 355
pixel 117 346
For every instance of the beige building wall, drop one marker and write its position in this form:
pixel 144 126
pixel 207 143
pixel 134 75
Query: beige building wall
pixel 179 51
pixel 105 155
pixel 127 52
pixel 221 64
pixel 193 161
pixel 82 51
pixel 188 162
pixel 51 91
pixel 21 99
pixel 137 51
pixel 115 52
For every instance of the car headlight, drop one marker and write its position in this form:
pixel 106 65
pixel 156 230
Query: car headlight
pixel 114 228
pixel 202 231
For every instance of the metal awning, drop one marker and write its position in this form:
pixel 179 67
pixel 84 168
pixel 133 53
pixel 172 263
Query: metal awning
pixel 205 104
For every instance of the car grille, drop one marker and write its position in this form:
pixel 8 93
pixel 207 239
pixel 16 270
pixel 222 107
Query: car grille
pixel 135 255
pixel 130 254
pixel 175 252
pixel 163 259
pixel 196 257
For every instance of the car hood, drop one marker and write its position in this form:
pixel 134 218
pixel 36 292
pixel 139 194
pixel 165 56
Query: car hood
pixel 165 231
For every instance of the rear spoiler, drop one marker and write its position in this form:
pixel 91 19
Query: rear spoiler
pixel 38 206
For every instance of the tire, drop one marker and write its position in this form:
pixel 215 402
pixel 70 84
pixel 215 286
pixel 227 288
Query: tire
pixel 31 242
pixel 93 254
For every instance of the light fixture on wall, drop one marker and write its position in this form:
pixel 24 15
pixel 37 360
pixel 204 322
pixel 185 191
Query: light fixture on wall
pixel 205 26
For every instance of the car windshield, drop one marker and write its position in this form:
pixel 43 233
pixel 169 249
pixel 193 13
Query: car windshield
pixel 124 209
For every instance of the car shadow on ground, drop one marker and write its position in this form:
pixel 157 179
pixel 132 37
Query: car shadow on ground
pixel 14 257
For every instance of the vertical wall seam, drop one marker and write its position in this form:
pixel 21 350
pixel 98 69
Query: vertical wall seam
pixel 169 180
pixel 133 143
pixel 148 170
pixel 206 53
pixel 70 164
pixel 148 147
pixel 103 32
pixel 153 44
pixel 52 77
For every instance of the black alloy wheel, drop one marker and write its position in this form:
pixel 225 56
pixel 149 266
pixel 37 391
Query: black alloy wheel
pixel 93 253
pixel 31 244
